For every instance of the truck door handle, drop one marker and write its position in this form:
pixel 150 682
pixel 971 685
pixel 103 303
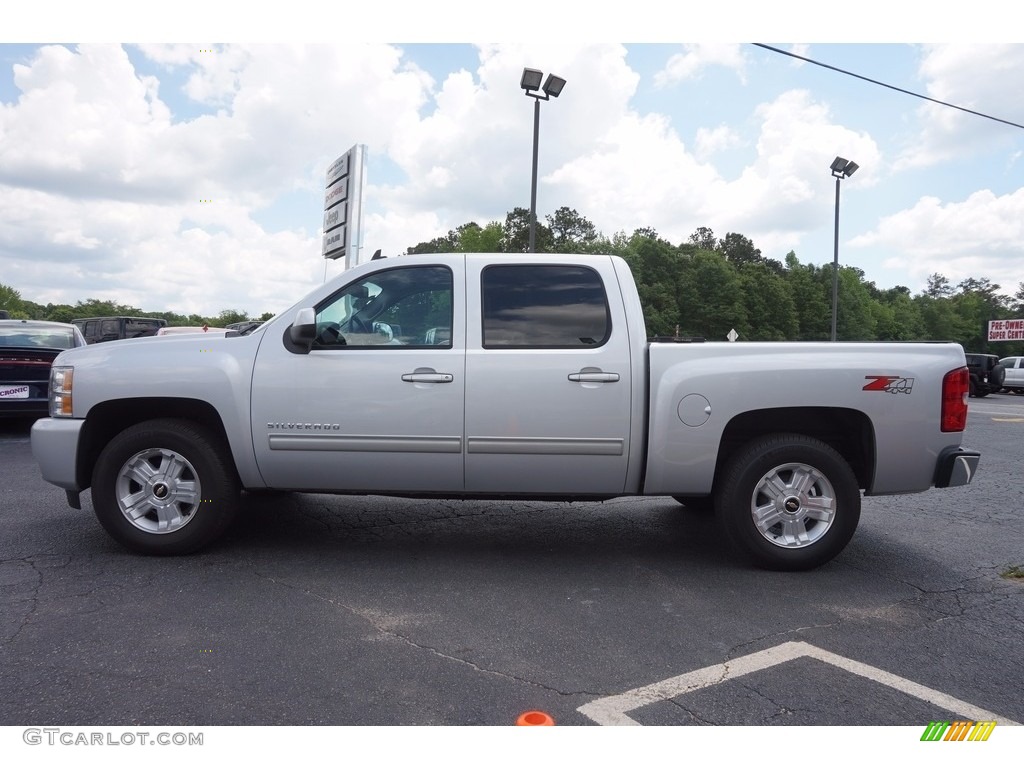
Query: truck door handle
pixel 428 378
pixel 598 376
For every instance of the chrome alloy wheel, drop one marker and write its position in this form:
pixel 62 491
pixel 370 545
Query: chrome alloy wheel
pixel 793 505
pixel 158 491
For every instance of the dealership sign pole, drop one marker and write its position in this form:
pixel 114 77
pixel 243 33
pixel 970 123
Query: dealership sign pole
pixel 343 207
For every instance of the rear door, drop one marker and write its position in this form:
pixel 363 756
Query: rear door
pixel 547 378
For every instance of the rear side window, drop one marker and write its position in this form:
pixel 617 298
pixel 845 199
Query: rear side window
pixel 552 306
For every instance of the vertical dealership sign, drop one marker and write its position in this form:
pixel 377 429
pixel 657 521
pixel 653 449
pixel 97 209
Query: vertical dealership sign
pixel 343 206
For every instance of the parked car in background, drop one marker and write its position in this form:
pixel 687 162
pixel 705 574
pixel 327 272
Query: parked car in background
pixel 27 350
pixel 97 329
pixel 1013 367
pixel 986 374
pixel 177 330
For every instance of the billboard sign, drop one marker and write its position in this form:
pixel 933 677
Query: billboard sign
pixel 1006 330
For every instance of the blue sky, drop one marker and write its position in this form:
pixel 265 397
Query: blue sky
pixel 106 148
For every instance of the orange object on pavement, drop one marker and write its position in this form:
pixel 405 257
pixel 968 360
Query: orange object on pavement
pixel 535 718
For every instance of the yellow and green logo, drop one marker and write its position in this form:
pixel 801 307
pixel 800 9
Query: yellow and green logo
pixel 961 730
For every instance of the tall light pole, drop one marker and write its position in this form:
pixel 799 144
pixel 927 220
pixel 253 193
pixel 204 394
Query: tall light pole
pixel 552 87
pixel 841 169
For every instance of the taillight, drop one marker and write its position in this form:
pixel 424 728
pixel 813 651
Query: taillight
pixel 955 386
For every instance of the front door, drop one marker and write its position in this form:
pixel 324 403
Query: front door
pixel 377 403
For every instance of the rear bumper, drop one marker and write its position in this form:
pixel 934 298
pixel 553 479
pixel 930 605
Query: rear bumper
pixel 55 448
pixel 956 466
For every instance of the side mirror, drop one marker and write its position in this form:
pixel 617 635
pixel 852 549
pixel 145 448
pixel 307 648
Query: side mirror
pixel 302 331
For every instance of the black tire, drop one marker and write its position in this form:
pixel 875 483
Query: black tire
pixel 803 469
pixel 170 474
pixel 1019 391
pixel 972 389
pixel 996 377
pixel 701 504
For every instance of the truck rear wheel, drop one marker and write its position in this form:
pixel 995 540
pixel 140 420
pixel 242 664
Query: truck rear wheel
pixel 165 487
pixel 789 502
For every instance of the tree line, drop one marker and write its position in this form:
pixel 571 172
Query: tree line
pixel 705 287
pixel 19 308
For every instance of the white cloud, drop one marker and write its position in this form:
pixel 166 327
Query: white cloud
pixel 982 236
pixel 641 174
pixel 710 141
pixel 982 78
pixel 694 59
pixel 95 174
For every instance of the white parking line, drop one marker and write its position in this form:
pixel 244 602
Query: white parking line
pixel 611 710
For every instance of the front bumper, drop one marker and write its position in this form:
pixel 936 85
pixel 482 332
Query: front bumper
pixel 956 466
pixel 55 448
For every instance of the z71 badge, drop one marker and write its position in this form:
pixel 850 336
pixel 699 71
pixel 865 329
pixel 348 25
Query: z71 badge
pixel 893 384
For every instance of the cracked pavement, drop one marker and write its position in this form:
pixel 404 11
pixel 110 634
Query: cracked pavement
pixel 370 610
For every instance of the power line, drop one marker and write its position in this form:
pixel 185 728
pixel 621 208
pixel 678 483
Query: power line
pixel 886 85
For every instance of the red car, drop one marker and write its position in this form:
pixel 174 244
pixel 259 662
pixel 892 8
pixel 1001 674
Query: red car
pixel 27 350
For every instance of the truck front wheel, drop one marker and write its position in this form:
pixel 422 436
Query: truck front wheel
pixel 165 487
pixel 789 502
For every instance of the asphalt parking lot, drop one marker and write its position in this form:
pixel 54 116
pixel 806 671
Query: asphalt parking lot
pixel 320 610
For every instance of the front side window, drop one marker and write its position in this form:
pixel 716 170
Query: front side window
pixel 402 307
pixel 532 305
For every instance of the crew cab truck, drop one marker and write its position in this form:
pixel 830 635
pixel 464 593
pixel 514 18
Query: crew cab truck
pixel 499 376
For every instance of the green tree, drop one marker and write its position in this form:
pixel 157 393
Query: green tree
pixel 811 290
pixel 738 249
pixel 570 232
pixel 447 244
pixel 704 239
pixel 855 320
pixel 977 302
pixel 657 269
pixel 228 316
pixel 516 233
pixel 938 286
pixel 476 239
pixel 710 297
pixel 767 298
pixel 10 300
pixel 897 317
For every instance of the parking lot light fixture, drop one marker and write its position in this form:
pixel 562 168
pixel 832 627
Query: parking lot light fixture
pixel 841 169
pixel 530 83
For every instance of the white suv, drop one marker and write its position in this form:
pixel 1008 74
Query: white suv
pixel 1014 380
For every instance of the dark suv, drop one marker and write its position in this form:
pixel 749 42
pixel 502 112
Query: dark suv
pixel 986 374
pixel 97 329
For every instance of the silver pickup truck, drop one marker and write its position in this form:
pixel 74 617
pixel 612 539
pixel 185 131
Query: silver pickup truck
pixel 500 376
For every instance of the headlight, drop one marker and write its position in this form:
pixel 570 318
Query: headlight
pixel 61 379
